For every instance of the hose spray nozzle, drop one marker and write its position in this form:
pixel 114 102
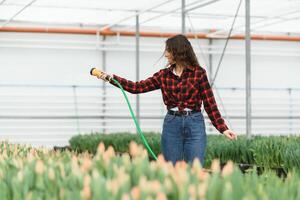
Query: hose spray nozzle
pixel 98 73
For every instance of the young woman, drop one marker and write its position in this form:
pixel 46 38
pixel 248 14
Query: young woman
pixel 184 86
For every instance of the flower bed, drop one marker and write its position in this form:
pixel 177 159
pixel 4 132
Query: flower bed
pixel 274 152
pixel 28 173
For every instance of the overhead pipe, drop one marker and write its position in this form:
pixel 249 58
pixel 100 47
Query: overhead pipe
pixel 109 32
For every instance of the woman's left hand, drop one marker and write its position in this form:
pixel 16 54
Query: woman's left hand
pixel 230 134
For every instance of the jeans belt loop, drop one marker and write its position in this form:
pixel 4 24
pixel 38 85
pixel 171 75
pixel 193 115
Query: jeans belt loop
pixel 187 113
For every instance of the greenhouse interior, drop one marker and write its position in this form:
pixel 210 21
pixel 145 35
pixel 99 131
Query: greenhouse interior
pixel 161 99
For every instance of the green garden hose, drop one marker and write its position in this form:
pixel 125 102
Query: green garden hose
pixel 135 121
pixel 96 72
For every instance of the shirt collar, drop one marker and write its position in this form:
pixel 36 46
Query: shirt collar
pixel 192 68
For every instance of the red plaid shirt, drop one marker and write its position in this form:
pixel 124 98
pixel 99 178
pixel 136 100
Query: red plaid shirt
pixel 186 91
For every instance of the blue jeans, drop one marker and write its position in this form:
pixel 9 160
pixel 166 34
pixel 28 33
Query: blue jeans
pixel 183 138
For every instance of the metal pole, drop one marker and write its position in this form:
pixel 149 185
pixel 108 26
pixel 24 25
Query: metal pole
pixel 76 108
pixel 248 70
pixel 210 60
pixel 104 88
pixel 137 57
pixel 210 71
pixel 290 111
pixel 183 16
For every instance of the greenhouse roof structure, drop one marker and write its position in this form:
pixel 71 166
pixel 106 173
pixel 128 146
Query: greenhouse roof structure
pixel 267 16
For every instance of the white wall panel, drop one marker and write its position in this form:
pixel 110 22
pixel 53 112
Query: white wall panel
pixel 29 60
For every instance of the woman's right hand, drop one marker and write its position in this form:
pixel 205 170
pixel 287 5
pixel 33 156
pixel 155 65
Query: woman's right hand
pixel 104 76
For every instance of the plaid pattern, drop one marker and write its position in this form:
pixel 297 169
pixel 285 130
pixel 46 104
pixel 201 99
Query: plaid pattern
pixel 187 91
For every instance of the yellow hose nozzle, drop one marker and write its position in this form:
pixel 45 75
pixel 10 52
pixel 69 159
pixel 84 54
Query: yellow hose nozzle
pixel 95 72
pixel 98 73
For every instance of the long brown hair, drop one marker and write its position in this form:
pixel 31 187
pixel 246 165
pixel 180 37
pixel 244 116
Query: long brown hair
pixel 181 50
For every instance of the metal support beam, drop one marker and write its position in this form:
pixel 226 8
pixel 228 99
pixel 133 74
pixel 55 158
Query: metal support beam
pixel 290 110
pixel 135 15
pixel 210 72
pixel 210 60
pixel 137 57
pixel 183 16
pixel 10 19
pixel 104 88
pixel 259 22
pixel 201 5
pixel 248 69
pixel 173 11
pixel 76 108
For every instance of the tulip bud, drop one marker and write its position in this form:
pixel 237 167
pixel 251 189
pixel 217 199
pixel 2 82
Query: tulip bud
pixel 215 166
pixel 135 192
pixel 101 148
pixel 39 167
pixel 228 169
pixel 51 174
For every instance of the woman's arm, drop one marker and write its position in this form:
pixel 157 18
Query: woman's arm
pixel 150 84
pixel 210 104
